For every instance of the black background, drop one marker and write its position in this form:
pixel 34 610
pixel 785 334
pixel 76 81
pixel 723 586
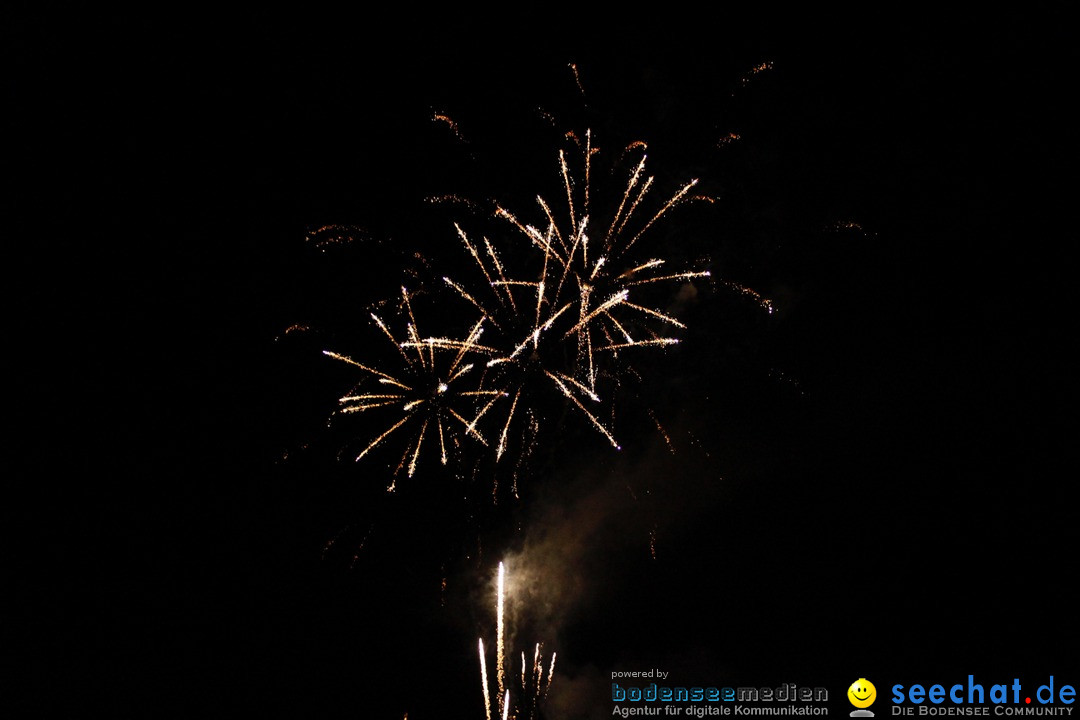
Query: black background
pixel 888 489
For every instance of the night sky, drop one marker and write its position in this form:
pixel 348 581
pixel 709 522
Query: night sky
pixel 875 480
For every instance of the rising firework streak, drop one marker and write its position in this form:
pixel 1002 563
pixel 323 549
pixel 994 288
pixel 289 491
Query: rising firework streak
pixel 534 687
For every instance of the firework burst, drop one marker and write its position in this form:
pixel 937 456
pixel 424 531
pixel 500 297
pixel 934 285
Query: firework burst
pixel 548 309
pixel 428 393
pixel 567 294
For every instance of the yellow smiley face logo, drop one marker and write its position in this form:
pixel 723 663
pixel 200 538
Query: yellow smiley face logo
pixel 862 693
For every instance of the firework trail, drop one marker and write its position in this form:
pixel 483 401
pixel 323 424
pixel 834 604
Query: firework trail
pixel 551 673
pixel 533 687
pixel 500 636
pixel 484 681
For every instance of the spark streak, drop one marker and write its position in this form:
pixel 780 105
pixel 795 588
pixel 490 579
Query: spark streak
pixel 648 311
pixel 506 427
pixel 499 634
pixel 680 276
pixel 592 418
pixel 615 299
pixel 349 360
pixel 379 439
pixel 667 206
pixel 484 680
pixel 641 343
pixel 551 673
